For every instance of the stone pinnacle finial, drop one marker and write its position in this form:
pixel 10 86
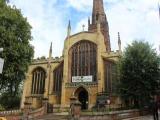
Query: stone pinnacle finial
pixel 50 56
pixel 119 42
pixel 69 29
pixel 89 22
pixel 83 27
pixel 50 50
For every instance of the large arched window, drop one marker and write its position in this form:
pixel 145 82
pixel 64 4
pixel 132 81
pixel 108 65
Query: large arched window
pixel 58 77
pixel 111 76
pixel 38 81
pixel 83 59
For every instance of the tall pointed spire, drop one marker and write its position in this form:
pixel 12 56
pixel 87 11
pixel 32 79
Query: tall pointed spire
pixel 98 6
pixel 99 17
pixel 98 13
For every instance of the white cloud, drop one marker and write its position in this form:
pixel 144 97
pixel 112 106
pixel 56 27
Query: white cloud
pixel 134 19
pixel 135 22
pixel 48 26
pixel 81 5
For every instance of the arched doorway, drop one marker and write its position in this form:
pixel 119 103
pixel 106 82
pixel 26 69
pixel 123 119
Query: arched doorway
pixel 82 95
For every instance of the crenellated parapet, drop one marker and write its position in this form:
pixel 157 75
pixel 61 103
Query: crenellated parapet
pixel 44 60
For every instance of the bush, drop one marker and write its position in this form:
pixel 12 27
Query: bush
pixel 8 101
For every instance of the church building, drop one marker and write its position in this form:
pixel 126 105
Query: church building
pixel 86 68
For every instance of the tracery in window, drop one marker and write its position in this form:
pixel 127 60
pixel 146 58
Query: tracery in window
pixel 111 76
pixel 58 77
pixel 38 81
pixel 84 59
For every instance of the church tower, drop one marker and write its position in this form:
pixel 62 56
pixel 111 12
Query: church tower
pixel 99 16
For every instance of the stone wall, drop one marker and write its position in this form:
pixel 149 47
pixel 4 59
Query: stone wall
pixel 119 115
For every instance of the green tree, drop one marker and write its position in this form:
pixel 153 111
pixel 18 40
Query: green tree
pixel 139 73
pixel 15 35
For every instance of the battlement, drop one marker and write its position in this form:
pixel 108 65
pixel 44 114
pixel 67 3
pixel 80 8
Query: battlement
pixel 43 59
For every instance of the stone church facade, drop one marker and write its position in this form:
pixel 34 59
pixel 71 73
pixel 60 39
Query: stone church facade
pixel 86 68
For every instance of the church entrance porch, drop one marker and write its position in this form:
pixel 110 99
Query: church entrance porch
pixel 82 95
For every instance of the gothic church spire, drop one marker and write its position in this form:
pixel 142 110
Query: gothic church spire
pixel 98 6
pixel 98 14
pixel 99 17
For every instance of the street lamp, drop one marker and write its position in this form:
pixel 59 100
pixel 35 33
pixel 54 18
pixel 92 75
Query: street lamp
pixel 1 62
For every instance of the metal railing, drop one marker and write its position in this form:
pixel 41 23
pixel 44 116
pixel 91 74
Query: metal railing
pixel 10 112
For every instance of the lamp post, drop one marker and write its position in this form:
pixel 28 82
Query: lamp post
pixel 1 62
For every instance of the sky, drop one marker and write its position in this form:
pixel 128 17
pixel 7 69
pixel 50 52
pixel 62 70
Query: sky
pixel 134 19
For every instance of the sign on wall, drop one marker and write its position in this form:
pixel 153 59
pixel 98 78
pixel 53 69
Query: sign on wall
pixel 82 79
pixel 1 65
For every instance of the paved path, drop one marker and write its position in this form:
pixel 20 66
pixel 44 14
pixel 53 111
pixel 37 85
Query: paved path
pixel 59 117
pixel 141 118
pixel 148 117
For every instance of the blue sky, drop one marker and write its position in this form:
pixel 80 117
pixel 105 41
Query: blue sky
pixel 134 19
